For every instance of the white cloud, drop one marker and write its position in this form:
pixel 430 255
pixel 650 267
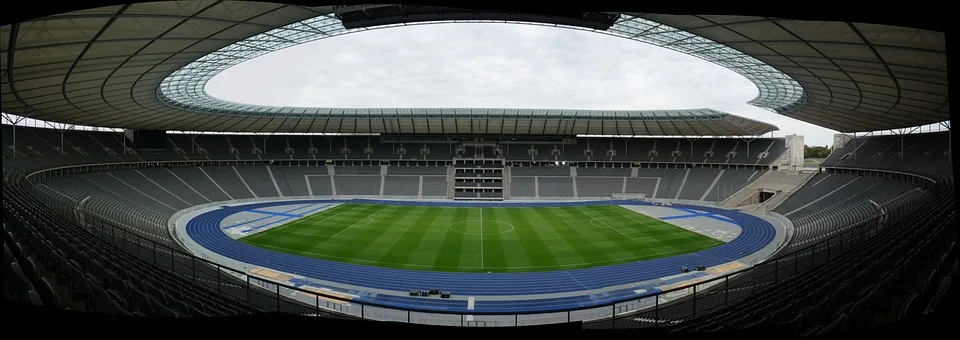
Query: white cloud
pixel 494 65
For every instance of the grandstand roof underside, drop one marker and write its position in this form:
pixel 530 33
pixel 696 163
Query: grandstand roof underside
pixel 133 66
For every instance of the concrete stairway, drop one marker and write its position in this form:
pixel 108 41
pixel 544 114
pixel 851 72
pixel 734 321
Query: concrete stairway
pixel 782 183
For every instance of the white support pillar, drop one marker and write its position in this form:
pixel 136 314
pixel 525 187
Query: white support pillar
pixel 748 143
pixel 13 127
pixel 60 127
pixel 626 141
pixel 946 124
pixel 901 147
pixel 856 145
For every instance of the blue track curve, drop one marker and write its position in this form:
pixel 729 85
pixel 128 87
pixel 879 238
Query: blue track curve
pixel 756 233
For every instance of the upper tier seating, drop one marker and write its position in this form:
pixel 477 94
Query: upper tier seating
pixel 907 153
pixel 105 146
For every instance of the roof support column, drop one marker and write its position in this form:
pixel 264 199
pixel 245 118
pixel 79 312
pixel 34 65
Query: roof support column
pixel 611 148
pixel 748 140
pixel 857 143
pixel 691 140
pixel 193 144
pixel 946 124
pixel 263 137
pixel 626 141
pixel 901 133
pixel 855 146
pixel 61 127
pixel 901 147
pixel 13 127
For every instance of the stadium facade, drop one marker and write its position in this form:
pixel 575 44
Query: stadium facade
pixel 122 245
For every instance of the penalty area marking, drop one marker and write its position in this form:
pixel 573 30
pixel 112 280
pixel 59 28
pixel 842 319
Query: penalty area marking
pixel 368 218
pixel 594 220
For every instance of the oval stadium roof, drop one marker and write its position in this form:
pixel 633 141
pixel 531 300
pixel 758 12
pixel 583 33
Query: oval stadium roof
pixel 144 66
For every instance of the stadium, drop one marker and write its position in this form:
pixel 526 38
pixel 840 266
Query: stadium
pixel 176 203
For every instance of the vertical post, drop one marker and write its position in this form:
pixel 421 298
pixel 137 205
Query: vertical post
pixel 726 290
pixel 362 314
pixel 14 133
pixel 695 300
pixel 796 260
pixel 516 320
pixel 828 246
pixel 408 311
pixel 776 273
pixel 613 316
pixel 248 288
pixel 278 297
pixel 219 293
pixel 568 316
pixel 461 318
pixel 316 307
pixel 813 256
pixel 656 311
pixel 901 147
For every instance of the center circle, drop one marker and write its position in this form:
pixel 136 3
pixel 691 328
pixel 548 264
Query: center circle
pixel 484 227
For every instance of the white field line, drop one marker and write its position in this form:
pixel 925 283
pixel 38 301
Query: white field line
pixel 355 223
pixel 585 264
pixel 481 237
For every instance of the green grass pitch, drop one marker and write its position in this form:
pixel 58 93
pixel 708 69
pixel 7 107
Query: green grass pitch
pixel 470 239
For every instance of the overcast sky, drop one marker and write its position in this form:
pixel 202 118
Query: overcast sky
pixel 495 66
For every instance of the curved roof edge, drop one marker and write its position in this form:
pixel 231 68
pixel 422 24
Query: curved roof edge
pixel 185 88
pixel 513 121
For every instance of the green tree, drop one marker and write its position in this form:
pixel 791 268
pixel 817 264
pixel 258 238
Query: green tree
pixel 816 151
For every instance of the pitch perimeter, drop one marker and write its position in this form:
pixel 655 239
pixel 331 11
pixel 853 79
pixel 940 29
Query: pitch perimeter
pixel 475 239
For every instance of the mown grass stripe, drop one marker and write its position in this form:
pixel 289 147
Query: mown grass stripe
pixel 530 238
pixel 575 233
pixel 420 237
pixel 451 247
pixel 407 240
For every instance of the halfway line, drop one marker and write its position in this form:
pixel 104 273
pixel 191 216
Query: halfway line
pixel 481 237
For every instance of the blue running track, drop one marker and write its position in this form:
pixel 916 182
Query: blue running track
pixel 756 233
